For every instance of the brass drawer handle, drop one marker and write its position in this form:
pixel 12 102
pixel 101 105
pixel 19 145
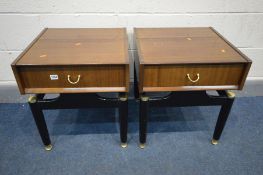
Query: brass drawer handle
pixel 194 81
pixel 73 82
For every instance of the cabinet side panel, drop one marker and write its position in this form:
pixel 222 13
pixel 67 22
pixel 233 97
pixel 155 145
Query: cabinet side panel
pixel 18 79
pixel 245 73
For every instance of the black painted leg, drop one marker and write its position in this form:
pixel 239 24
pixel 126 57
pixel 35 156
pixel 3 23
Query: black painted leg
pixel 135 85
pixel 222 118
pixel 144 105
pixel 123 118
pixel 40 122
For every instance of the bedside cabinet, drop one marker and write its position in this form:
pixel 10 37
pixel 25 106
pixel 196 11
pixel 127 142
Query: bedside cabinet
pixel 77 64
pixel 187 62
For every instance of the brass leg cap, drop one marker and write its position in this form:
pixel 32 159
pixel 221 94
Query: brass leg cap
pixel 32 99
pixel 144 98
pixel 214 142
pixel 48 147
pixel 124 145
pixel 231 94
pixel 142 145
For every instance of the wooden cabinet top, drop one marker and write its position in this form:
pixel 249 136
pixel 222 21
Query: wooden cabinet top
pixel 185 45
pixel 80 46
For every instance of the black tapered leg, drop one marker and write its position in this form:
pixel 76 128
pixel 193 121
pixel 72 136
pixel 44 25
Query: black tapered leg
pixel 123 119
pixel 144 105
pixel 40 122
pixel 135 85
pixel 222 118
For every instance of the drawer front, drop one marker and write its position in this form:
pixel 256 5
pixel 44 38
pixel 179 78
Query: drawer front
pixel 193 76
pixel 72 76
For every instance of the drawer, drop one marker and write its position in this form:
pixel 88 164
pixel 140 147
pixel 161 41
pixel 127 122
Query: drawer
pixel 66 79
pixel 192 77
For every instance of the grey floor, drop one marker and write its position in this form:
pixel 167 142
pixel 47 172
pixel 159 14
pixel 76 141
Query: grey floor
pixel 87 141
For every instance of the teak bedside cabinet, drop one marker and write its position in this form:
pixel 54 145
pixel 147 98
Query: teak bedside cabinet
pixel 77 64
pixel 187 62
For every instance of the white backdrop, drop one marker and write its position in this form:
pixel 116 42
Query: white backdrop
pixel 240 21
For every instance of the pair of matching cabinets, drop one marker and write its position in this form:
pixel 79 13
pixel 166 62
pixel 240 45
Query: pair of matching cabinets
pixel 80 63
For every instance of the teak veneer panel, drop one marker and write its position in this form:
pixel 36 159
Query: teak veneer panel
pixel 90 76
pixel 78 47
pixel 176 76
pixel 181 50
pixel 183 45
pixel 100 56
pixel 144 33
pixel 167 55
pixel 84 33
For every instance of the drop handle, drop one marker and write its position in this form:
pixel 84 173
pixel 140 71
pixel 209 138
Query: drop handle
pixel 190 79
pixel 73 82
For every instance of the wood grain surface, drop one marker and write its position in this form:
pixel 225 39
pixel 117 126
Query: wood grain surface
pixel 176 75
pixel 98 56
pixel 90 76
pixel 167 55
pixel 78 47
pixel 183 45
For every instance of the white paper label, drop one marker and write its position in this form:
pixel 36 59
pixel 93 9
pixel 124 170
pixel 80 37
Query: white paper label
pixel 53 77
